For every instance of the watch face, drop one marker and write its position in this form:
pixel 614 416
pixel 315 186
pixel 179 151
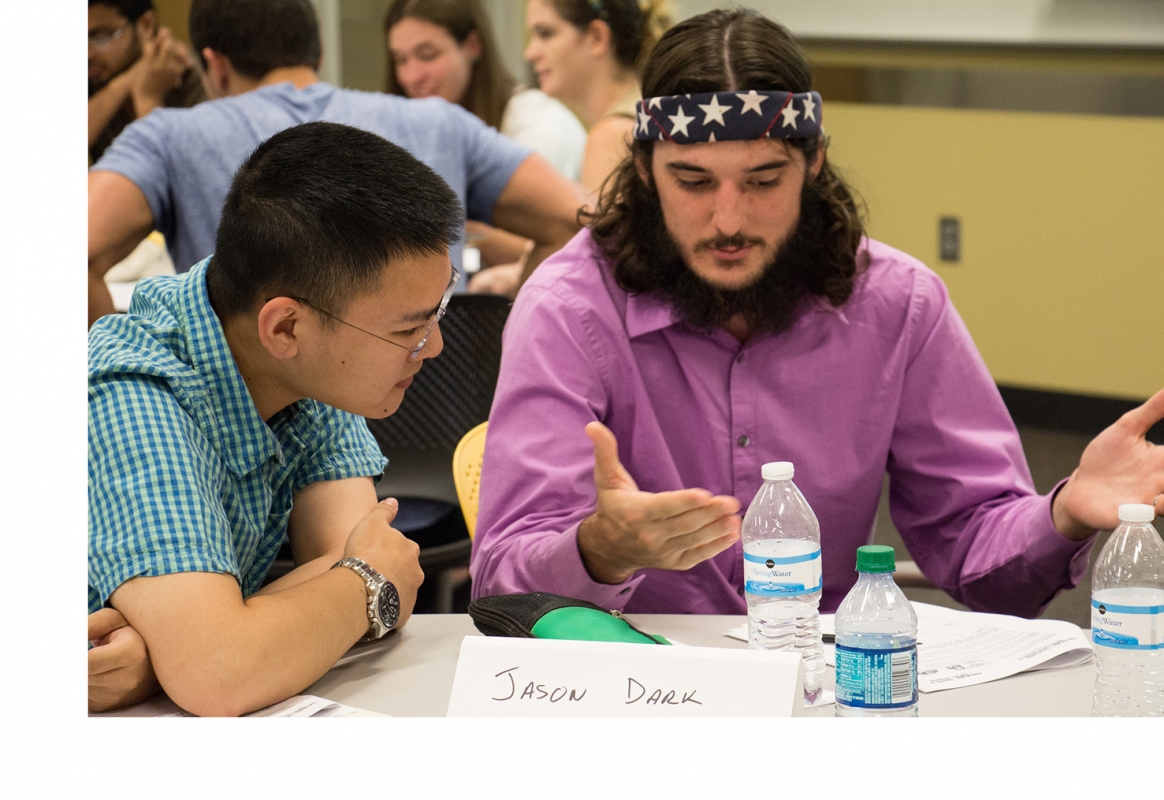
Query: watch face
pixel 388 608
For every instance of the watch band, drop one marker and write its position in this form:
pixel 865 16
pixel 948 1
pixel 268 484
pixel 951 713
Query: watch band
pixel 374 584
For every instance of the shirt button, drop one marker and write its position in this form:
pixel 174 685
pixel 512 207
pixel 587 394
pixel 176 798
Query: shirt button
pixel 743 441
pixel 740 358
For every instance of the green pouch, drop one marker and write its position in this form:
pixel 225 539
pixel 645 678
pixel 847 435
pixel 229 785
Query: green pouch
pixel 541 615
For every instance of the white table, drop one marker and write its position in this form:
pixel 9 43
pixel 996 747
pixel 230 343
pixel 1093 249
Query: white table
pixel 409 673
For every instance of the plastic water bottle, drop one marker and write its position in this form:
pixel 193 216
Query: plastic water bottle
pixel 876 640
pixel 782 576
pixel 1127 618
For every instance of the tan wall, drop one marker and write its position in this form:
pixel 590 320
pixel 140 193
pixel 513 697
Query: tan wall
pixel 1062 232
pixel 175 15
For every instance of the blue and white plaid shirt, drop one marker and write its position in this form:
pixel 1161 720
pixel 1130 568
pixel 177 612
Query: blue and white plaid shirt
pixel 184 475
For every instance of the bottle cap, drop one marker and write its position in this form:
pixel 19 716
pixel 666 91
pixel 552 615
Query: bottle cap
pixel 875 558
pixel 777 471
pixel 1137 512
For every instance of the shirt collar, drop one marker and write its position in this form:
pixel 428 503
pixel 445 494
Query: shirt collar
pixel 243 438
pixel 647 312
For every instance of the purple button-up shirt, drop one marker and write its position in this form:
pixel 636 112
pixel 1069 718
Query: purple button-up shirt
pixel 890 381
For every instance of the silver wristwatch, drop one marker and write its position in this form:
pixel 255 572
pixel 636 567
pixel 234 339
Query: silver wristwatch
pixel 383 599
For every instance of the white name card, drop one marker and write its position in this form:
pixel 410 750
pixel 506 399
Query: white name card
pixel 504 677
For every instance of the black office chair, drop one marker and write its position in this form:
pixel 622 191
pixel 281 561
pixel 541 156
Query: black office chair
pixel 450 395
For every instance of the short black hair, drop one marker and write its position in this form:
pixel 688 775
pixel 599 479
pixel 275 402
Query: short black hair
pixel 318 211
pixel 257 35
pixel 130 9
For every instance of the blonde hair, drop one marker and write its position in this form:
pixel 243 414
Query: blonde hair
pixel 635 25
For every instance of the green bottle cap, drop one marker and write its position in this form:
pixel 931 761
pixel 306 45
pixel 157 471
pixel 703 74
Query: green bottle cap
pixel 875 558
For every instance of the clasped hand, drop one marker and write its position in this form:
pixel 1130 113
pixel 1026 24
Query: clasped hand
pixel 631 529
pixel 389 552
pixel 163 62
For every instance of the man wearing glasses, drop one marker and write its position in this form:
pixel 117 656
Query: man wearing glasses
pixel 225 413
pixel 134 67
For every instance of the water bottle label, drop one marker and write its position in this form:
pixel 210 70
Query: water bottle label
pixel 1127 627
pixel 782 576
pixel 877 678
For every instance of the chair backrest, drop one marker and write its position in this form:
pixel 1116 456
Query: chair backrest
pixel 450 395
pixel 467 473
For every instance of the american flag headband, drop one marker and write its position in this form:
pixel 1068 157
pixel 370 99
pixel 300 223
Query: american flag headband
pixel 723 116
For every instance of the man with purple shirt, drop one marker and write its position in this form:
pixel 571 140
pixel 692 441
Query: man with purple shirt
pixel 724 309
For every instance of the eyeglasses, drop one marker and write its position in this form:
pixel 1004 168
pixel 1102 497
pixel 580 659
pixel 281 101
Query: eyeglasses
pixel 102 39
pixel 414 351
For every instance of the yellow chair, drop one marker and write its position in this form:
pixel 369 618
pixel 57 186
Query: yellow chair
pixel 467 473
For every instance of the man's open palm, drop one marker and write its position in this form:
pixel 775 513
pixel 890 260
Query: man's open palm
pixel 1118 466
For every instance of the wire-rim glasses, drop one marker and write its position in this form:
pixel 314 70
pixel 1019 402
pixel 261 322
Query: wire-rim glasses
pixel 414 351
pixel 102 40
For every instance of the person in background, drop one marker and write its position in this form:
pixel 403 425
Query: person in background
pixel 171 170
pixel 446 48
pixel 134 67
pixel 226 412
pixel 725 309
pixel 588 54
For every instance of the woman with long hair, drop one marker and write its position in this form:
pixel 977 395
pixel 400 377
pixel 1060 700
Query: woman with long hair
pixel 588 54
pixel 446 48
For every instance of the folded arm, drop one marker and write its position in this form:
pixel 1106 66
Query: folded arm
pixel 216 653
pixel 119 218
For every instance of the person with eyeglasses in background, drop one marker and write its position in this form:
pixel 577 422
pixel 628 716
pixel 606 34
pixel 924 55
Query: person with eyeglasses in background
pixel 446 48
pixel 226 412
pixel 135 66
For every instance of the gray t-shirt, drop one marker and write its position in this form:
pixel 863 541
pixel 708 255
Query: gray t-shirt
pixel 184 159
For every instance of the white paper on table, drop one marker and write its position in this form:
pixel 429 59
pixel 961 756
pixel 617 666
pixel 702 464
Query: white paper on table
pixel 964 648
pixel 304 705
pixel 122 293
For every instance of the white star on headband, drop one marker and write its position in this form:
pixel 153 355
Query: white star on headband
pixel 680 121
pixel 752 102
pixel 644 121
pixel 790 115
pixel 809 108
pixel 714 111
pixel 655 102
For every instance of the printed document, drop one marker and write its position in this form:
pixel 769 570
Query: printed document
pixel 963 648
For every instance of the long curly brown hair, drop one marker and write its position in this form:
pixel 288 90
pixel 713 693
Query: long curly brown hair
pixel 728 50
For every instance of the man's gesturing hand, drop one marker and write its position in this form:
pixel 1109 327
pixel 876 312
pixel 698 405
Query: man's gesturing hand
pixel 120 672
pixel 1119 466
pixel 389 552
pixel 630 529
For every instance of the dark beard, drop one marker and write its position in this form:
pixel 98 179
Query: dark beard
pixel 771 303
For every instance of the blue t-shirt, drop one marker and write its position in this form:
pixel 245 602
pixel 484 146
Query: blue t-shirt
pixel 183 159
